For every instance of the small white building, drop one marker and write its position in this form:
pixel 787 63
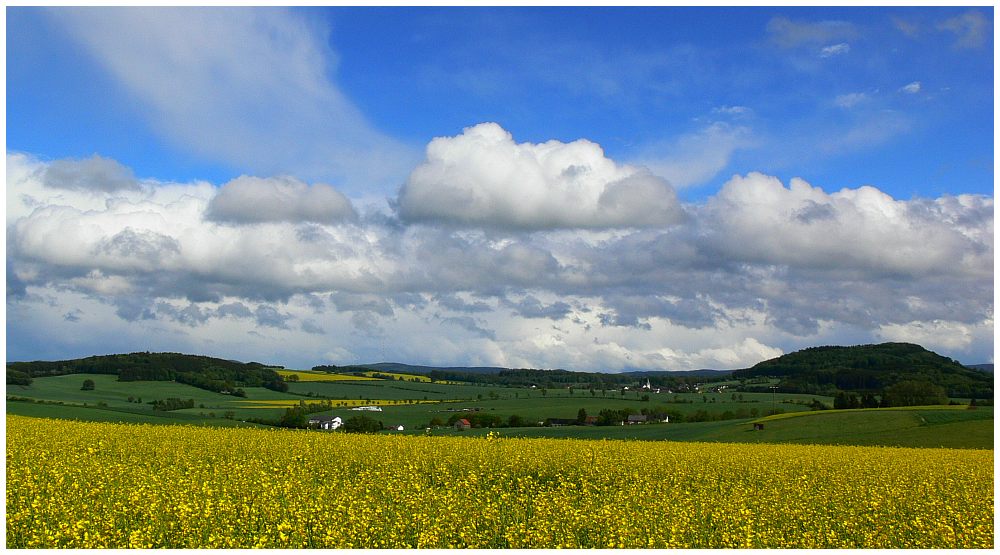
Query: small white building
pixel 326 422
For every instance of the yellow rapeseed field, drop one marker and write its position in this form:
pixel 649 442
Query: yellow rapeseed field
pixel 89 485
pixel 310 376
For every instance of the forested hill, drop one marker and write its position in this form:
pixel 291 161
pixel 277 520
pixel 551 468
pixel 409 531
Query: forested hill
pixel 214 374
pixel 870 368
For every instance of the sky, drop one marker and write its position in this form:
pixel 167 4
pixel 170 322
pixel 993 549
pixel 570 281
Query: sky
pixel 595 189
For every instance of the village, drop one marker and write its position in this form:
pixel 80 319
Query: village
pixel 464 418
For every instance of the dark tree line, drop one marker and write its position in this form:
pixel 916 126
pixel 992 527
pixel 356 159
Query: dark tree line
pixel 907 393
pixel 172 403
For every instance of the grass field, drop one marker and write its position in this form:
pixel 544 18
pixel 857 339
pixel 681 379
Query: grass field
pixel 926 427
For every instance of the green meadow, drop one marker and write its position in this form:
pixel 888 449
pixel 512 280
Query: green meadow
pixel 725 417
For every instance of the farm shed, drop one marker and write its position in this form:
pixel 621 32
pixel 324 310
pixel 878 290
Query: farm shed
pixel 462 424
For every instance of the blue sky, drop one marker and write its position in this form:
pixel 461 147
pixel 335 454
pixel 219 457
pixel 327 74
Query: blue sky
pixel 382 144
pixel 629 79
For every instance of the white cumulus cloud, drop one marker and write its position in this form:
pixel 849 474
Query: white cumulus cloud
pixel 90 174
pixel 279 199
pixel 758 267
pixel 482 177
pixel 757 218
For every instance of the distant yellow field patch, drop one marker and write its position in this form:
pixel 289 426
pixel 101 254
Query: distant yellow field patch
pixel 310 376
pixel 397 375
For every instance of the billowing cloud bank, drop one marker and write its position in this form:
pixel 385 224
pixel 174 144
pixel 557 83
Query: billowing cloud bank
pixel 544 255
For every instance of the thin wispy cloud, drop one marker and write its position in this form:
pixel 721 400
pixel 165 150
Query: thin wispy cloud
pixel 971 29
pixel 850 100
pixel 834 50
pixel 247 86
pixel 695 158
pixel 790 33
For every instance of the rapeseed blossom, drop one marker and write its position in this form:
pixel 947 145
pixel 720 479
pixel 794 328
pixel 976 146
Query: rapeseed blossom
pixel 95 485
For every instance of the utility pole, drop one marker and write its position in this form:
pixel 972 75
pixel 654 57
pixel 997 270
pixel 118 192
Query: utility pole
pixel 774 407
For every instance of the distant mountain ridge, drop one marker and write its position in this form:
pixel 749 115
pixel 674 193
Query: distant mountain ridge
pixel 700 373
pixel 424 370
pixel 401 368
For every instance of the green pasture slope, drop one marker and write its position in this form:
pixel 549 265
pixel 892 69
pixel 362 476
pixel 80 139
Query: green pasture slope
pixel 66 389
pixel 922 427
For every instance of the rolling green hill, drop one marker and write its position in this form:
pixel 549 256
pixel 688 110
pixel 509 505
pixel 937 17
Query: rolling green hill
pixel 212 374
pixel 869 368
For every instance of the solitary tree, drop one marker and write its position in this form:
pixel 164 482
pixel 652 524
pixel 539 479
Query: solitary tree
pixel 581 416
pixel 88 385
pixel 16 377
pixel 362 424
pixel 294 417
